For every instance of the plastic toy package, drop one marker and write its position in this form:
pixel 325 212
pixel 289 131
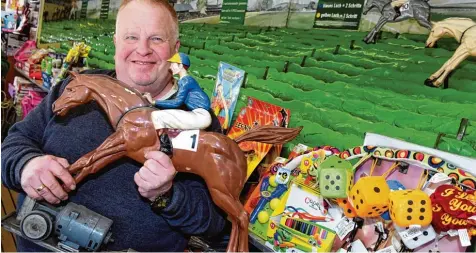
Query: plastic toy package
pixel 227 87
pixel 258 113
pixel 387 200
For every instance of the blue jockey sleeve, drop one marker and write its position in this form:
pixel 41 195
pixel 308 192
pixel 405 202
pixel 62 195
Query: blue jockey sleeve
pixel 189 93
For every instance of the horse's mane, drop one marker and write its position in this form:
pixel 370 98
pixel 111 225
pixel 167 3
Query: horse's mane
pixel 115 81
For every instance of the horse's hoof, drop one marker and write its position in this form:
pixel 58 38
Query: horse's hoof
pixel 429 83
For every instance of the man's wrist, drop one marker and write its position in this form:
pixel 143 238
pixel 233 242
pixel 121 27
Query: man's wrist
pixel 162 200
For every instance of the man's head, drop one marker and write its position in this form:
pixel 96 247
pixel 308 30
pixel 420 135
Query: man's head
pixel 146 37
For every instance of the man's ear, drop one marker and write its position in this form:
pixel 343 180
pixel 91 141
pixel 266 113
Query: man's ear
pixel 177 46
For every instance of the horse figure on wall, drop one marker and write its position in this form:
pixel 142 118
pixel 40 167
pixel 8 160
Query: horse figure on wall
pixel 464 32
pixel 417 9
pixel 217 158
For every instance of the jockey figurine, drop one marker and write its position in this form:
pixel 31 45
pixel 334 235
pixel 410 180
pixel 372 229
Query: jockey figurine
pixel 189 94
pixel 396 4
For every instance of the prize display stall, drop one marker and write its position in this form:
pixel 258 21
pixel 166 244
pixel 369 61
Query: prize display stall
pixel 353 121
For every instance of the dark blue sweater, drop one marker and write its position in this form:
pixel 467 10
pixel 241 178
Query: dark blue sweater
pixel 112 192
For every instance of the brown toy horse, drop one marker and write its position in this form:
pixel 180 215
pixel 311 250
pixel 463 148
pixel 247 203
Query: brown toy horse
pixel 218 159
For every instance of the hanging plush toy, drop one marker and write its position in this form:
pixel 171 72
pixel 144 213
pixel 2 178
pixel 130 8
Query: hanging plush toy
pixel 369 196
pixel 411 207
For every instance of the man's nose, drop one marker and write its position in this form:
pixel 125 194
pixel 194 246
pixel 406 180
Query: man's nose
pixel 143 47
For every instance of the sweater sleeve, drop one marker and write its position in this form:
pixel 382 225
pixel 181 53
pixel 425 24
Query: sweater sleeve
pixel 24 141
pixel 191 210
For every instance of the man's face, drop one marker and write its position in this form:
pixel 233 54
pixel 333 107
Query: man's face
pixel 144 40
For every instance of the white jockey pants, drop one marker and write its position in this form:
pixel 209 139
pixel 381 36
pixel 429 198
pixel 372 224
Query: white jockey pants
pixel 179 119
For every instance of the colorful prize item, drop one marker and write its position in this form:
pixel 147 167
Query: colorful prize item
pixel 335 177
pixel 369 196
pixel 411 207
pixel 75 54
pixel 453 208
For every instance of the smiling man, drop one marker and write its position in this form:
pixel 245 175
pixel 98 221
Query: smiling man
pixel 152 209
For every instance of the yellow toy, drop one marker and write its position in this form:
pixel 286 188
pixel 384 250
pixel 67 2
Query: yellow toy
pixel 369 196
pixel 411 207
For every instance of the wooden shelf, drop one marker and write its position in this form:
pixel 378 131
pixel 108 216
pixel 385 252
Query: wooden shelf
pixel 38 83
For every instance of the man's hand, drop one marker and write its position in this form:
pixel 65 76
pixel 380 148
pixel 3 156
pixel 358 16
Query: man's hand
pixel 39 178
pixel 149 97
pixel 155 177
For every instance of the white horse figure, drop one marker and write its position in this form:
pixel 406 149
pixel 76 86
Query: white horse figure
pixel 464 31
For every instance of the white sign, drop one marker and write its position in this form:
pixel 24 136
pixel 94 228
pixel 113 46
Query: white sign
pixel 186 140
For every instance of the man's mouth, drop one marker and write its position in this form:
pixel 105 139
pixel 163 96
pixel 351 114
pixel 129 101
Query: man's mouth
pixel 143 62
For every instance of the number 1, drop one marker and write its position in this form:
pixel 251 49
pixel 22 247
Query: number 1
pixel 194 138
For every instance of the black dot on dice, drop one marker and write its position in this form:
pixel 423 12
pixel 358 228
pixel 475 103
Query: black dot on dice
pixel 332 166
pixel 377 210
pixel 409 217
pixel 361 201
pixel 384 207
pixel 357 191
pixel 410 202
pixel 357 206
pixel 376 189
pixel 423 202
pixel 339 161
pixel 349 211
pixel 422 218
pixel 345 201
pixel 332 182
pixel 374 207
pixel 370 213
pixel 327 177
pixel 407 227
pixel 409 210
pixel 353 197
pixel 422 210
pixel 425 233
pixel 415 239
pixel 337 187
pixel 392 203
pixel 327 187
pixel 349 187
pixel 337 177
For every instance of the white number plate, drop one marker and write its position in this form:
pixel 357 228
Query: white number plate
pixel 187 140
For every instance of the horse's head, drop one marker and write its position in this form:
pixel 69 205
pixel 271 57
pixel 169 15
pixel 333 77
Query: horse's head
pixel 437 32
pixel 76 93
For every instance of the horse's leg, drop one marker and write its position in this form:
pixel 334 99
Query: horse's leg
pixel 99 164
pixel 437 75
pixel 228 204
pixel 422 16
pixel 112 145
pixel 383 20
pixel 243 228
pixel 454 62
pixel 370 38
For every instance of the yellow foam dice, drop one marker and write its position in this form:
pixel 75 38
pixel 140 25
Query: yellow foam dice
pixel 410 207
pixel 369 196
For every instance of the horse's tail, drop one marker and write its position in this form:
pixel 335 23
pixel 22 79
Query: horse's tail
pixel 270 135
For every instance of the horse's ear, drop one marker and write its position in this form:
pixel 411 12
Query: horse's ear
pixel 74 75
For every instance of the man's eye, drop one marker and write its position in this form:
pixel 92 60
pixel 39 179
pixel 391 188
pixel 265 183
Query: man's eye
pixel 157 39
pixel 131 37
